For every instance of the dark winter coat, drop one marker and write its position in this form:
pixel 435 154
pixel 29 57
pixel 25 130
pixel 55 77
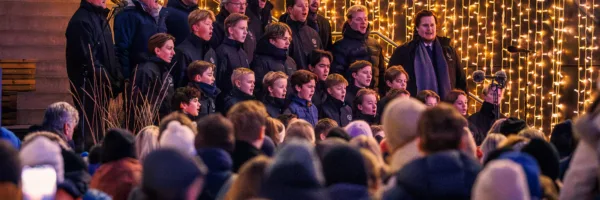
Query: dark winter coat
pixel 275 106
pixel 270 58
pixel 357 46
pixel 89 30
pixel 154 83
pixel 259 18
pixel 351 92
pixel 405 55
pixel 337 110
pixel 234 97
pixel 242 153
pixel 231 56
pixel 320 24
pixel 219 35
pixel 207 99
pixel 370 119
pixel 133 28
pixel 193 48
pixel 442 175
pixel 177 21
pixel 481 122
pixel 342 191
pixel 304 40
pixel 304 109
pixel 219 165
pixel 320 93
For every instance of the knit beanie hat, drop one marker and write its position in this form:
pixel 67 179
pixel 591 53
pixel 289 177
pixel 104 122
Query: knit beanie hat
pixel 10 165
pixel 512 125
pixel 179 137
pixel 344 164
pixel 501 179
pixel 399 121
pixel 171 169
pixel 531 169
pixel 338 132
pixel 563 139
pixel 357 128
pixel 42 151
pixel 546 156
pixel 118 143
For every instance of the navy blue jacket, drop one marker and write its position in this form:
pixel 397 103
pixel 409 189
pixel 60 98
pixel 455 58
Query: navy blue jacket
pixel 133 28
pixel 357 46
pixel 235 96
pixel 207 99
pixel 304 109
pixel 218 35
pixel 442 175
pixel 270 58
pixel 193 48
pixel 343 191
pixel 336 110
pixel 231 56
pixel 220 166
pixel 275 106
pixel 153 81
pixel 177 21
pixel 304 40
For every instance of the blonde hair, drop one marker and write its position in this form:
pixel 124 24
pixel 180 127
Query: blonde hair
pixel 368 143
pixel 490 143
pixel 146 141
pixel 271 77
pixel 354 9
pixel 251 174
pixel 238 73
pixel 200 15
pixel 274 129
pixel 300 129
pixel 532 133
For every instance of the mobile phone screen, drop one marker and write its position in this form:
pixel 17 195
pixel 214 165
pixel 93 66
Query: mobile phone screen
pixel 39 182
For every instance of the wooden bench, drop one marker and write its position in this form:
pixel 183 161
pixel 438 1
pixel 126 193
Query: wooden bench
pixel 18 75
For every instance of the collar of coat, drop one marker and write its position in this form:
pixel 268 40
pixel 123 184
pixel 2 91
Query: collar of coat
pixel 348 32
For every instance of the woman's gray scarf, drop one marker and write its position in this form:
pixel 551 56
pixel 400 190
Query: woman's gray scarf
pixel 426 76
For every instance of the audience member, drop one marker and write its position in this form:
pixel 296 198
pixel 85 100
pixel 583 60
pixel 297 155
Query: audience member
pixel 358 128
pixel 247 185
pixel 512 126
pixel 179 137
pixel 146 141
pixel 10 178
pixel 249 119
pixel 323 127
pixel 300 129
pixel 345 173
pixel 505 172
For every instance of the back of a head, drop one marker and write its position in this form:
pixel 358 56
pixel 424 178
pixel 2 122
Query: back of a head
pixel 10 165
pixel 324 146
pixel 42 151
pixel 358 128
pixel 491 142
pixel 369 144
pixel 158 184
pixel 441 128
pixel 562 138
pixel 118 144
pixel 247 185
pixel 300 129
pixel 323 127
pixel 344 164
pixel 175 116
pixel 339 132
pixel 215 131
pixel 531 169
pixel 501 179
pixel 146 141
pixel 275 129
pixel 249 119
pixel 532 133
pixel 178 136
pixel 399 121
pixel 546 156
pixel 57 114
pixel 512 125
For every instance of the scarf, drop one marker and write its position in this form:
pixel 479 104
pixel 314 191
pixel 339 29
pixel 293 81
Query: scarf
pixel 436 79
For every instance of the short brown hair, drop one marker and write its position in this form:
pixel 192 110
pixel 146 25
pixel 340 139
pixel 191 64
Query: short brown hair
pixel 200 15
pixel 393 72
pixel 158 40
pixel 276 30
pixel 441 128
pixel 323 126
pixel 395 92
pixel 175 116
pixel 239 72
pixel 453 95
pixel 335 79
pixel 215 131
pixel 302 77
pixel 424 94
pixel 273 128
pixel 300 129
pixel 358 65
pixel 421 14
pixel 184 95
pixel 232 20
pixel 271 77
pixel 248 118
pixel 354 9
pixel 198 67
pixel 360 95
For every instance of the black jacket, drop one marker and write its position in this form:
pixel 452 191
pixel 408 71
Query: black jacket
pixel 242 153
pixel 320 93
pixel 320 24
pixel 337 110
pixel 219 165
pixel 481 122
pixel 177 21
pixel 231 56
pixel 357 46
pixel 275 106
pixel 405 55
pixel 88 26
pixel 219 35
pixel 351 92
pixel 154 84
pixel 133 28
pixel 235 96
pixel 370 119
pixel 207 99
pixel 270 58
pixel 259 18
pixel 193 48
pixel 304 40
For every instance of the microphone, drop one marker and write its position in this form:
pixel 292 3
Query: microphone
pixel 514 49
pixel 479 76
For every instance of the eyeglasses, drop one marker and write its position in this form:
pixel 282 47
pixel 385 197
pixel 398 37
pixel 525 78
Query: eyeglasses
pixel 239 4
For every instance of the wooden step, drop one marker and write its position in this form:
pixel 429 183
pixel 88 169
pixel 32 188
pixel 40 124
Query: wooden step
pixel 36 100
pixel 38 8
pixel 34 23
pixel 52 84
pixel 31 38
pixel 40 53
pixel 52 68
pixel 30 116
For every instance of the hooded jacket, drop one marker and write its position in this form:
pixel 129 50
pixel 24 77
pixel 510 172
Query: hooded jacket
pixel 270 58
pixel 133 28
pixel 304 40
pixel 405 55
pixel 275 106
pixel 219 35
pixel 154 82
pixel 177 21
pixel 357 46
pixel 219 165
pixel 235 96
pixel 208 98
pixel 304 109
pixel 442 175
pixel 337 110
pixel 481 122
pixel 231 56
pixel 193 48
